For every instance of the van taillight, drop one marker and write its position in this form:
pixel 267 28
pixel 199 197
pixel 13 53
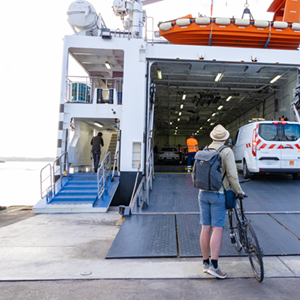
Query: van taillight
pixel 254 144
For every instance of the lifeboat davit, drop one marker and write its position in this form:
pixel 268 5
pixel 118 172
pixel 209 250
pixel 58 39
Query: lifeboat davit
pixel 283 32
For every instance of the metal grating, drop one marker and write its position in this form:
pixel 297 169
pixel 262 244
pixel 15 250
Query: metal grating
pixel 145 236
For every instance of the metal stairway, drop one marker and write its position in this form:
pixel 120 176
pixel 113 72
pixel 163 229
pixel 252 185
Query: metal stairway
pixel 113 143
pixel 79 192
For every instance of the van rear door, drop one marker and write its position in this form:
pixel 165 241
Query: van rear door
pixel 290 146
pixel 269 152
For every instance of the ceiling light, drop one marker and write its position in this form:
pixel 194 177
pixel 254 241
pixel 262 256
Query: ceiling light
pixel 220 107
pixel 175 132
pixel 176 127
pixel 183 96
pixel 228 99
pixel 275 78
pixel 213 114
pixel 178 119
pixel 107 65
pixel 208 120
pixel 219 77
pixel 211 124
pixel 181 106
pixel 197 131
pixel 159 74
pixel 170 123
pixel 98 124
pixel 201 128
pixel 180 113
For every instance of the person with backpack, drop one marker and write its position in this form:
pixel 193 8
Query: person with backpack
pixel 212 199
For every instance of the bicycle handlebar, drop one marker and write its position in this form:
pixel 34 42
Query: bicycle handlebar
pixel 241 197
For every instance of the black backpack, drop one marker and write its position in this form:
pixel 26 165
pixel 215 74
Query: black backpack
pixel 206 173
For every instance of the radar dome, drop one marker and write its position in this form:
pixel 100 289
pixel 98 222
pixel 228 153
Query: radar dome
pixel 82 15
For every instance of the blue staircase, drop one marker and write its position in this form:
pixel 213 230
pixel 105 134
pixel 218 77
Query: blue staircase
pixel 80 194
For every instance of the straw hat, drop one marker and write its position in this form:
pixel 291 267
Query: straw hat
pixel 219 133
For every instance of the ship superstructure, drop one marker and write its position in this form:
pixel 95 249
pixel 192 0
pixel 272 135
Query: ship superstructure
pixel 143 92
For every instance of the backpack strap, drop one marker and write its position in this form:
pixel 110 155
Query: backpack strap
pixel 222 148
pixel 217 150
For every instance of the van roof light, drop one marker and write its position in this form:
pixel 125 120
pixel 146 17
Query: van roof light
pixel 256 119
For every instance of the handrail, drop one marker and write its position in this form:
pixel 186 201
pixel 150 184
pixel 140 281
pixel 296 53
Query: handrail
pixel 66 169
pixel 105 170
pixel 48 191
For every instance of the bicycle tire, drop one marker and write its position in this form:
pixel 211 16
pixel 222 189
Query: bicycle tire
pixel 237 230
pixel 254 252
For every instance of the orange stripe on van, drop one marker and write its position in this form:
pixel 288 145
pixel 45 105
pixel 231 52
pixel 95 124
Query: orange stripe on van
pixel 272 146
pixel 258 142
pixel 263 146
pixel 280 147
pixel 297 146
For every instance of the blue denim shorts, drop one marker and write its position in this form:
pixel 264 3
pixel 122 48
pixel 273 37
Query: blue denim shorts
pixel 212 208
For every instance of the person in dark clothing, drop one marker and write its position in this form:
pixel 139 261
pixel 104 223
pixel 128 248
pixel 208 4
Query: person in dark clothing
pixel 97 143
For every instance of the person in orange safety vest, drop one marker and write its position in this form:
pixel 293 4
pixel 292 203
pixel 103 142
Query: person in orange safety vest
pixel 192 146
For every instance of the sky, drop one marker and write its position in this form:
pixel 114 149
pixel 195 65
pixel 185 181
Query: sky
pixel 32 32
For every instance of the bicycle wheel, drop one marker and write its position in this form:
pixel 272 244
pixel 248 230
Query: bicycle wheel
pixel 236 237
pixel 254 252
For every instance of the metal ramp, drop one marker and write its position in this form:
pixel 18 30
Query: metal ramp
pixel 79 192
pixel 169 225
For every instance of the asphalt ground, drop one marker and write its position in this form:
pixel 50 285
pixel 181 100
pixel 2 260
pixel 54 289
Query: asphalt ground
pixel 233 289
pixel 13 214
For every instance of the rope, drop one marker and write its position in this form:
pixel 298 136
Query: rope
pixel 268 41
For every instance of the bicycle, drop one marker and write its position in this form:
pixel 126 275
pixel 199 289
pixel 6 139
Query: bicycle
pixel 243 236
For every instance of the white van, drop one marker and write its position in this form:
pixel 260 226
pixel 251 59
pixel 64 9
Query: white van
pixel 268 146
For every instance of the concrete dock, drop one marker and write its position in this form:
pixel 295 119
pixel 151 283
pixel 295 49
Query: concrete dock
pixel 56 255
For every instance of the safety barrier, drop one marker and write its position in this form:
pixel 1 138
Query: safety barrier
pixel 55 175
pixel 103 173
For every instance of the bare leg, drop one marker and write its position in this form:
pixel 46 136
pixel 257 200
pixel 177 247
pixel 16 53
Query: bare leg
pixel 216 242
pixel 205 241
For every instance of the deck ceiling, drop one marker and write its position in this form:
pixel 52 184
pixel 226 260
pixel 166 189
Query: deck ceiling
pixel 93 61
pixel 248 84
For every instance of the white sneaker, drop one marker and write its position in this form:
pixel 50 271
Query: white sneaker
pixel 216 272
pixel 205 267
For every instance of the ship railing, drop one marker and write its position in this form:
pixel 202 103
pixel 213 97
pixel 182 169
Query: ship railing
pixel 46 179
pixel 60 170
pixel 103 174
pixel 53 176
pixel 151 31
pixel 82 89
pixel 149 175
pixel 141 196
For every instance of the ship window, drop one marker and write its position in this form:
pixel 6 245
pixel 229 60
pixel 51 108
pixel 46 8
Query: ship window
pixel 136 155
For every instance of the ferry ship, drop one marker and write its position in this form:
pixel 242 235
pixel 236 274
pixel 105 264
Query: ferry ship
pixel 144 90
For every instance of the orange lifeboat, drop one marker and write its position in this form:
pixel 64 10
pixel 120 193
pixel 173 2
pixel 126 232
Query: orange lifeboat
pixel 283 32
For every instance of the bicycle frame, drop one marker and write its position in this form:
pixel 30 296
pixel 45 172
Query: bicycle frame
pixel 241 239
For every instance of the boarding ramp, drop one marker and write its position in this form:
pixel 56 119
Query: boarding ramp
pixel 77 192
pixel 169 225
